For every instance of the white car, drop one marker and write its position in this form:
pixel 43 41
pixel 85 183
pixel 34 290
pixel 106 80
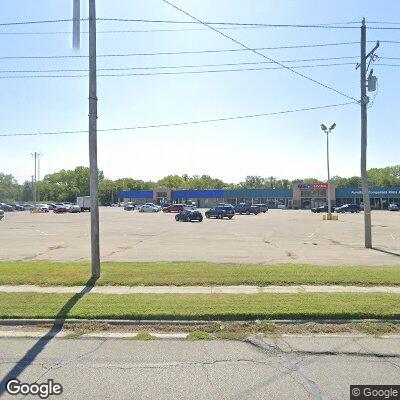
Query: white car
pixel 42 208
pixel 393 207
pixel 149 208
pixel 153 205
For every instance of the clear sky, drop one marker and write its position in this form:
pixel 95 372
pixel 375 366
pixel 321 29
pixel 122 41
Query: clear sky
pixel 285 146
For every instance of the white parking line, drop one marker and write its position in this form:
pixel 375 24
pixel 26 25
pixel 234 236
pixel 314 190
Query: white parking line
pixel 312 234
pixel 393 237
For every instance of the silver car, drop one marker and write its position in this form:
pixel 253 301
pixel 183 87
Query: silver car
pixel 393 207
pixel 74 208
pixel 149 208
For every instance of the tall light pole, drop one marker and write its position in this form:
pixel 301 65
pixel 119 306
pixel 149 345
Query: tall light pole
pixel 76 20
pixel 328 131
pixel 36 157
pixel 38 176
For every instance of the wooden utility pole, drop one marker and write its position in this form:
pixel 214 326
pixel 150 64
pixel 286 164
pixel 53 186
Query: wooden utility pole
pixel 94 174
pixel 364 102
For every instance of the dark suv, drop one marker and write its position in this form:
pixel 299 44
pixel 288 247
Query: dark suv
pixel 188 215
pixel 222 211
pixel 351 208
pixel 248 209
pixel 263 207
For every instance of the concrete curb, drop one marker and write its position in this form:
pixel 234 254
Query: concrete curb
pixel 116 322
pixel 169 336
pixel 239 289
pixel 94 335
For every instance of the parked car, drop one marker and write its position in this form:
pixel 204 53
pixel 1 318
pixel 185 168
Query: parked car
pixel 42 208
pixel 26 207
pixel 149 208
pixel 74 208
pixel 393 207
pixel 189 215
pixel 219 212
pixel 1 214
pixel 322 209
pixel 60 208
pixel 174 208
pixel 263 207
pixel 154 205
pixel 248 209
pixel 351 208
pixel 6 207
pixel 19 207
pixel 51 206
pixel 129 207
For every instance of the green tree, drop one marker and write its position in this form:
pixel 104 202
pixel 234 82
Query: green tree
pixel 9 188
pixel 173 182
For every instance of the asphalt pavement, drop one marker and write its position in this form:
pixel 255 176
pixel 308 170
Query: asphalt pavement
pixel 278 236
pixel 297 367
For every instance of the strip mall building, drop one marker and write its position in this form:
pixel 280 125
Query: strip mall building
pixel 302 196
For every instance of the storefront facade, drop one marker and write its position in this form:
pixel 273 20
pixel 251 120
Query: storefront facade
pixel 301 196
pixel 380 197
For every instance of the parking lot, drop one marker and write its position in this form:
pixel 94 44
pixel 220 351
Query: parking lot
pixel 278 236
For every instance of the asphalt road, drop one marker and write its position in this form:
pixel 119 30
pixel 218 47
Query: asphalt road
pixel 278 236
pixel 290 368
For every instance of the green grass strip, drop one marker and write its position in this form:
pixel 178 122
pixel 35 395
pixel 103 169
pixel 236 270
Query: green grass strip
pixel 240 307
pixel 196 274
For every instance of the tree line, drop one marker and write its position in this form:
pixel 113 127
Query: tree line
pixel 67 185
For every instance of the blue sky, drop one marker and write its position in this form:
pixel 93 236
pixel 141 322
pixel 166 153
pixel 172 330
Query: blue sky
pixel 285 146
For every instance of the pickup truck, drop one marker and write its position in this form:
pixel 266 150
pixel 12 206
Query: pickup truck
pixel 248 209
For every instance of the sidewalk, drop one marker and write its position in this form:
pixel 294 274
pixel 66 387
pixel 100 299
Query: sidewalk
pixel 200 289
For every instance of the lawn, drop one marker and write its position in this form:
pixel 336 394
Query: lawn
pixel 195 273
pixel 209 307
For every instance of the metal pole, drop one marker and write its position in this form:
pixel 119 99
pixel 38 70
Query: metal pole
pixel 38 175
pixel 34 177
pixel 76 32
pixel 364 102
pixel 94 175
pixel 33 187
pixel 329 176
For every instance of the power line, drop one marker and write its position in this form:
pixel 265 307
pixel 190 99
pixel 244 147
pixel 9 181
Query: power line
pixel 173 73
pixel 162 53
pixel 212 51
pixel 332 25
pixel 261 54
pixel 133 30
pixel 49 21
pixel 25 71
pixel 205 121
pixel 338 25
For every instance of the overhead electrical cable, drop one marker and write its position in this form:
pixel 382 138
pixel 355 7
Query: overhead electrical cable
pixel 173 73
pixel 25 71
pixel 261 54
pixel 166 53
pixel 204 121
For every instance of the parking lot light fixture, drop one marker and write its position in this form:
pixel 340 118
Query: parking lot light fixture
pixel 328 131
